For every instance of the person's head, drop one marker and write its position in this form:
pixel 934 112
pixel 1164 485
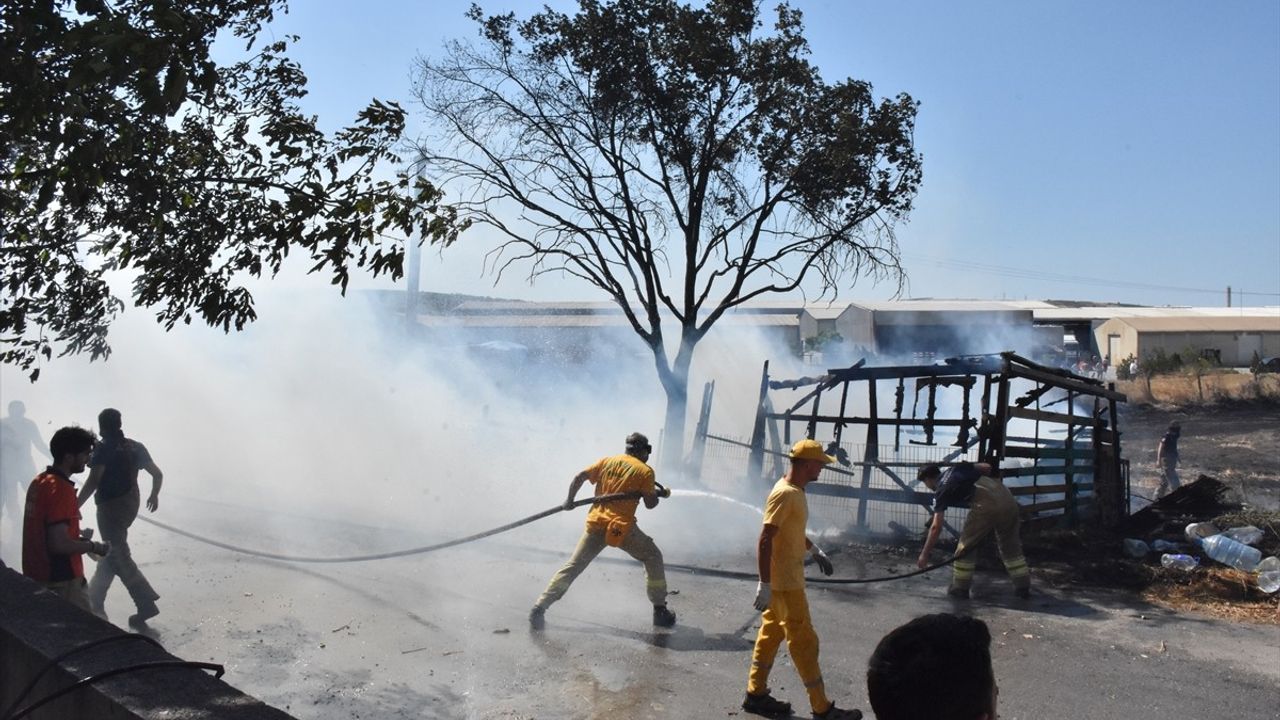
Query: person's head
pixel 17 409
pixel 638 446
pixel 807 460
pixel 1175 428
pixel 929 475
pixel 936 667
pixel 110 423
pixel 71 447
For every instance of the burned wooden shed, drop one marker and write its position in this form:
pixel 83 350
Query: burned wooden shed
pixel 1054 434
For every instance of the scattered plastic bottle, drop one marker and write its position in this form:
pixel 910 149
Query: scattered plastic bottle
pixel 1179 561
pixel 1166 546
pixel 1229 552
pixel 1199 531
pixel 1269 575
pixel 1249 535
pixel 1135 548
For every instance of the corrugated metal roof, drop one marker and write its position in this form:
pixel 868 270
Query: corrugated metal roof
pixel 987 306
pixel 1202 323
pixel 1108 312
pixel 617 320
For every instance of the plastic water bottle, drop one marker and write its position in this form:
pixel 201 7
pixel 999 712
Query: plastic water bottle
pixel 1249 535
pixel 1179 562
pixel 1269 575
pixel 1166 546
pixel 1229 552
pixel 1199 531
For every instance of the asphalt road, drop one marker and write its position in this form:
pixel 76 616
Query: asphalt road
pixel 444 636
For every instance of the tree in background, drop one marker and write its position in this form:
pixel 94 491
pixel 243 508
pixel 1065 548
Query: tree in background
pixel 683 160
pixel 1197 364
pixel 125 147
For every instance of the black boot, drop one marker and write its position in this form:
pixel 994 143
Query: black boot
pixel 766 705
pixel 662 617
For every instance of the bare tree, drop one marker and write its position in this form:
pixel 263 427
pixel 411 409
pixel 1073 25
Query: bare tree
pixel 683 160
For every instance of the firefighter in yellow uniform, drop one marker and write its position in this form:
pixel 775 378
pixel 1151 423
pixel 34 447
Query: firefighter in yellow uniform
pixel 614 524
pixel 780 593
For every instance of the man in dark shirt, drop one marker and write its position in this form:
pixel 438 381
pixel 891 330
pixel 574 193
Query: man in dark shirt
pixel 113 481
pixel 991 508
pixel 1167 459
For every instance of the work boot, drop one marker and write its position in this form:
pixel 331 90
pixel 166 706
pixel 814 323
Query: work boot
pixel 662 617
pixel 959 593
pixel 537 618
pixel 766 705
pixel 835 713
pixel 146 611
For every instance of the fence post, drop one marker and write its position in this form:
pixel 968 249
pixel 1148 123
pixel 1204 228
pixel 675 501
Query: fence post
pixel 871 453
pixel 693 468
pixel 1069 512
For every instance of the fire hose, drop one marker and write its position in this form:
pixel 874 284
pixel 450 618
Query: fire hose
pixel 602 499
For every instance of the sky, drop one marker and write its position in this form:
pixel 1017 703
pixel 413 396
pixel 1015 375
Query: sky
pixel 1119 152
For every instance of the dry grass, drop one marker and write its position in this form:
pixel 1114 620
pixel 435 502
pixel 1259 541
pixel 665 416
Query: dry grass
pixel 1218 387
pixel 1220 592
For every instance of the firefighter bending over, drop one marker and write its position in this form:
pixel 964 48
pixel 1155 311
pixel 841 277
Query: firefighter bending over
pixel 992 508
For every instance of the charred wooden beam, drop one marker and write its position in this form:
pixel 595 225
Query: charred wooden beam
pixel 897 413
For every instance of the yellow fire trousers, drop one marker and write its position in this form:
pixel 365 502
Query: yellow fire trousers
pixel 636 544
pixel 993 509
pixel 788 617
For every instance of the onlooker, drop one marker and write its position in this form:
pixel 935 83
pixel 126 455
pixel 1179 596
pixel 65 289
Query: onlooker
pixel 51 540
pixel 780 592
pixel 17 436
pixel 1167 459
pixel 936 667
pixel 113 481
pixel 614 524
pixel 992 508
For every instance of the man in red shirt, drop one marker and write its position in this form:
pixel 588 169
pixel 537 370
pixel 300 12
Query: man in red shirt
pixel 51 540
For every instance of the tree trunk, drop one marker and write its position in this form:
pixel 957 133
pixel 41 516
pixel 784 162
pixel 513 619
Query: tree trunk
pixel 675 381
pixel 673 428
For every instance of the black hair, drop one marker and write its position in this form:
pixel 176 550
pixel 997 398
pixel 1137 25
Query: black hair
pixel 71 440
pixel 929 471
pixel 936 667
pixel 637 442
pixel 110 423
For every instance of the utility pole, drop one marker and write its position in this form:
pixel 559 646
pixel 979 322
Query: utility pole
pixel 1228 296
pixel 412 275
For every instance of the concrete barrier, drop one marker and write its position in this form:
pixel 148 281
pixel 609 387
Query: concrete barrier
pixel 36 627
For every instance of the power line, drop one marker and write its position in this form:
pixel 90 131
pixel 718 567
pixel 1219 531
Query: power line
pixel 1029 274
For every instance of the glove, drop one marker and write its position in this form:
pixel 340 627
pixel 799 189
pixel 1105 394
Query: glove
pixel 568 504
pixel 101 549
pixel 763 596
pixel 823 562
